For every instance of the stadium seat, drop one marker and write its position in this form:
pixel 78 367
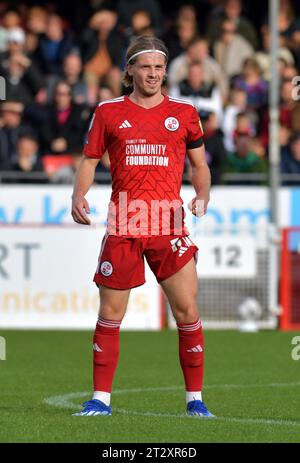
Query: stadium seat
pixel 53 162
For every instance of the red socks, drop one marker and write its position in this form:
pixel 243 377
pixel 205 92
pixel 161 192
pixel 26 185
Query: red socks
pixel 191 356
pixel 106 353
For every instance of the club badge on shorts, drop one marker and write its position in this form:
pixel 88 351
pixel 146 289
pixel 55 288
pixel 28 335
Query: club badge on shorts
pixel 171 123
pixel 106 268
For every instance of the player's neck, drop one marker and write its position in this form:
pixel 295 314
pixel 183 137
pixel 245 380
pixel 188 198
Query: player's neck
pixel 146 101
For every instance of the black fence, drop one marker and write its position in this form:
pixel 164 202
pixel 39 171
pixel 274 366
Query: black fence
pixel 254 179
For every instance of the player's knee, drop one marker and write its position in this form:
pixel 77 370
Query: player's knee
pixel 109 312
pixel 187 313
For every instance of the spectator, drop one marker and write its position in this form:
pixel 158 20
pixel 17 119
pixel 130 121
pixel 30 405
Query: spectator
pixel 101 47
pixel 36 25
pixel 289 27
pixel 15 40
pixel 289 72
pixel 53 46
pixel 11 129
pixel 11 19
pixel 187 11
pixel 295 118
pixel 105 93
pixel 194 89
pixel 197 50
pixel 263 57
pixel 23 80
pixel 244 124
pixel 290 160
pixel 72 74
pixel 67 123
pixel 244 161
pixel 17 47
pixel 178 37
pixel 140 24
pixel 214 145
pixel 232 11
pixel 231 49
pixel 237 103
pixel 37 20
pixel 31 45
pixel 126 9
pixel 253 84
pixel 286 109
pixel 28 160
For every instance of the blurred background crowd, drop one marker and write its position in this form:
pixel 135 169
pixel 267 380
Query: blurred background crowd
pixel 60 61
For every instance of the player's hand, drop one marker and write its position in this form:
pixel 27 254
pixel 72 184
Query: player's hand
pixel 198 205
pixel 80 207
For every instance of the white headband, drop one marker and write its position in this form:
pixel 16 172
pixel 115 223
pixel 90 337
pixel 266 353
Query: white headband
pixel 146 51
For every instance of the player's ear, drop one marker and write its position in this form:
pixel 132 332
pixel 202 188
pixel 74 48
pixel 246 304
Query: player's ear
pixel 129 69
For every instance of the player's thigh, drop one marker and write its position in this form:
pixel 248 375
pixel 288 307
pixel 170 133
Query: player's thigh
pixel 181 289
pixel 113 303
pixel 120 264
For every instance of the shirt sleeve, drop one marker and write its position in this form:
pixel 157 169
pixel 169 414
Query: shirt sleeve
pixel 97 138
pixel 195 131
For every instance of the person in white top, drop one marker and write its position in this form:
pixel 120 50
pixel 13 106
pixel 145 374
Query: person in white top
pixel 231 50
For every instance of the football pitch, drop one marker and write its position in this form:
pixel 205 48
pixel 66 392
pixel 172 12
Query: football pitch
pixel 252 384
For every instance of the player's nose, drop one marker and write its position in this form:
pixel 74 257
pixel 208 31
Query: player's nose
pixel 152 72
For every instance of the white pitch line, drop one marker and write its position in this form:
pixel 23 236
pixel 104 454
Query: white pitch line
pixel 65 401
pixel 218 418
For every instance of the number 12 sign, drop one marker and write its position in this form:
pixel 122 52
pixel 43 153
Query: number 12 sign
pixel 226 257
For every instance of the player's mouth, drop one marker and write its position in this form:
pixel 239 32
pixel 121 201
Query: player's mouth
pixel 152 82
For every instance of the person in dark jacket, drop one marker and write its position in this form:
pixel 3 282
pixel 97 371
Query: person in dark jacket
pixel 215 151
pixel 290 160
pixel 66 123
pixel 232 10
pixel 23 81
pixel 28 162
pixel 126 8
pixel 101 46
pixel 12 128
pixel 54 46
pixel 22 76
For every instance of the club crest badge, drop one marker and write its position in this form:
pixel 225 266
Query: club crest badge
pixel 106 268
pixel 171 123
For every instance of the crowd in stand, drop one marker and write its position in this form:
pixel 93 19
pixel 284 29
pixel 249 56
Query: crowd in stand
pixel 56 75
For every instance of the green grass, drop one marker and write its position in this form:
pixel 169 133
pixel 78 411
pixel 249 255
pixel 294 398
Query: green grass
pixel 43 364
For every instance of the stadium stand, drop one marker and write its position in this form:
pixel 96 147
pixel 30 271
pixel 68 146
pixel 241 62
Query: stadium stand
pixel 58 65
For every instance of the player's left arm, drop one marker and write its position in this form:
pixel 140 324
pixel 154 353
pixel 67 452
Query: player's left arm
pixel 201 180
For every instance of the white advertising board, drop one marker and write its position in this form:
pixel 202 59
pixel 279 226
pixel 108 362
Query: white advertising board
pixel 229 206
pixel 46 281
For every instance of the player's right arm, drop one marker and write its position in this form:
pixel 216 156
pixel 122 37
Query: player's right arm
pixel 95 147
pixel 83 181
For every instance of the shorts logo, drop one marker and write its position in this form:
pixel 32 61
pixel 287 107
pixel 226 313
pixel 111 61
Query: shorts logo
pixel 106 268
pixel 171 123
pixel 181 244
